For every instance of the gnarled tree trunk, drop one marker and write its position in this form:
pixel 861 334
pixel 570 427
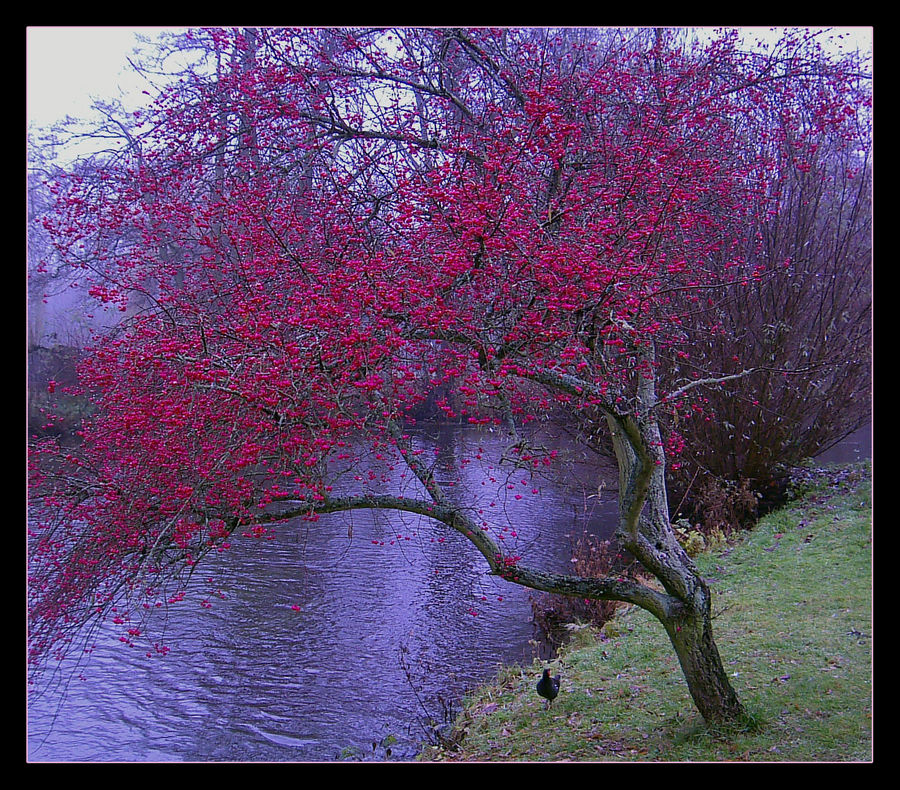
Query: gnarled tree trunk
pixel 645 531
pixel 690 631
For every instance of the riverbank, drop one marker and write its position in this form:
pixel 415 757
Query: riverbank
pixel 793 602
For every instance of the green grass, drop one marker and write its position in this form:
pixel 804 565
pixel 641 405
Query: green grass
pixel 793 603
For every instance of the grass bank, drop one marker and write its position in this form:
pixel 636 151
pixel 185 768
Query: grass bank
pixel 793 603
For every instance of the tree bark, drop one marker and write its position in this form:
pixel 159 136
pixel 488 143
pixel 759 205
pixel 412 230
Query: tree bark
pixel 645 531
pixel 690 632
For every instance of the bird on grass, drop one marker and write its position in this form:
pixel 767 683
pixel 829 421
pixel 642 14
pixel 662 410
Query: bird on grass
pixel 548 687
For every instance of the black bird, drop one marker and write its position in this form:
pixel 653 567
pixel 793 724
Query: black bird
pixel 548 687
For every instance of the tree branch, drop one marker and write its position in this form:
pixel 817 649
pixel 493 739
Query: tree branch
pixel 721 379
pixel 614 589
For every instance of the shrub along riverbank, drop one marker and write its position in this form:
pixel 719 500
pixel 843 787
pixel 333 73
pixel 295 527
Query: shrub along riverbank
pixel 793 624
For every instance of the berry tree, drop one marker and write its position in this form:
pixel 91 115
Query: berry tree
pixel 318 234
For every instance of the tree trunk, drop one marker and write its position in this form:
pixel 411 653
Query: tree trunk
pixel 691 634
pixel 645 531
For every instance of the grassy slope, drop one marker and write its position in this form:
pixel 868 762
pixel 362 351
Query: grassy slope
pixel 794 602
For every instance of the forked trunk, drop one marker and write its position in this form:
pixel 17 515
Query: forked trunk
pixel 646 532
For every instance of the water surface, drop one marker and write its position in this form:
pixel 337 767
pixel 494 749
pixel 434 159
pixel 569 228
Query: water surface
pixel 357 629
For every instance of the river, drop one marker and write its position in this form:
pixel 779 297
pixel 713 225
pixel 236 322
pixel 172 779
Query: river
pixel 325 645
pixel 338 639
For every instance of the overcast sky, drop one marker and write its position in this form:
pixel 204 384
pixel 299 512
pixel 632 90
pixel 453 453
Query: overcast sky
pixel 66 66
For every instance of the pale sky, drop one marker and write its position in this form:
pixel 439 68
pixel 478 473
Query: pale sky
pixel 66 66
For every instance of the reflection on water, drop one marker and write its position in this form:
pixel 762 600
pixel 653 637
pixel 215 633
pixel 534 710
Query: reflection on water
pixel 332 637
